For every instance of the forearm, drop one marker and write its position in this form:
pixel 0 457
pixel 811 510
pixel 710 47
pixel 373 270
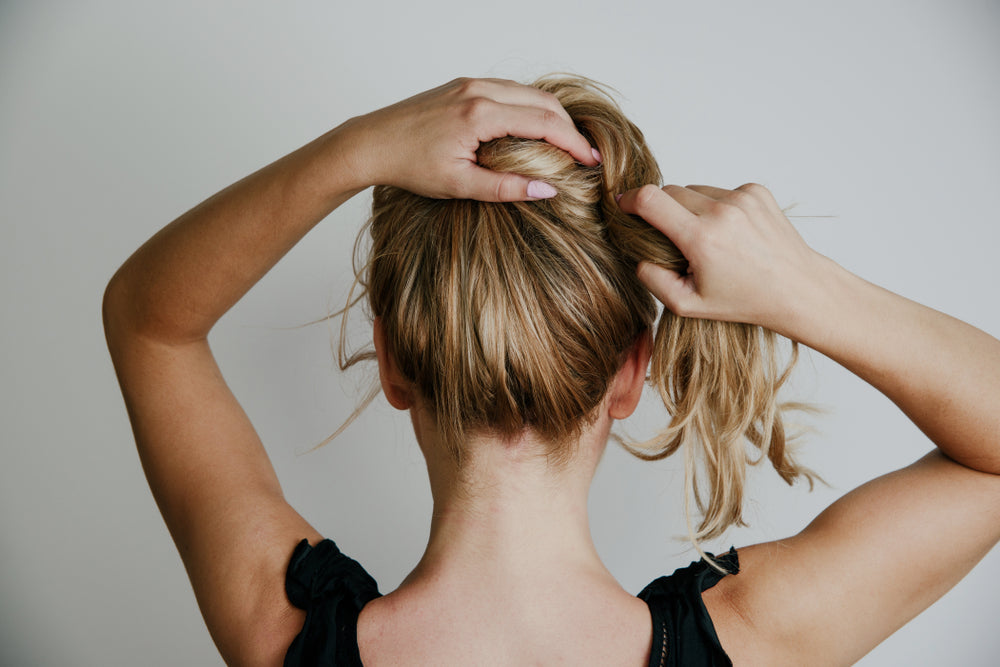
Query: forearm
pixel 943 373
pixel 183 279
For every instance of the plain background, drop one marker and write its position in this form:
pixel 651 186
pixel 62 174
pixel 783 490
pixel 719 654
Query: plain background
pixel 115 117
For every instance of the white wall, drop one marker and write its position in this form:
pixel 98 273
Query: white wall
pixel 117 116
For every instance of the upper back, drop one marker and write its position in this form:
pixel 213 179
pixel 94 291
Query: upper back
pixel 583 626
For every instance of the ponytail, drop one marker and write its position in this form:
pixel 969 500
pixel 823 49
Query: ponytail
pixel 719 381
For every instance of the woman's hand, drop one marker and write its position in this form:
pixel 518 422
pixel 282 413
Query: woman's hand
pixel 746 263
pixel 427 144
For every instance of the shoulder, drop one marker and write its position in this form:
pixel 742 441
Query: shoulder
pixel 728 605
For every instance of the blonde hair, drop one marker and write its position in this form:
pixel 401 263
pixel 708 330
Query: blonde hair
pixel 506 316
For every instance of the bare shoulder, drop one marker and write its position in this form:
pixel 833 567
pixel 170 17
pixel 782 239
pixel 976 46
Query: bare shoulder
pixel 824 592
pixel 742 630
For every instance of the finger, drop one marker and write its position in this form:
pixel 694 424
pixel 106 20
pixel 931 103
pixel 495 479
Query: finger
pixel 512 92
pixel 486 185
pixel 691 199
pixel 538 123
pixel 760 193
pixel 719 194
pixel 748 196
pixel 660 210
pixel 674 291
pixel 754 190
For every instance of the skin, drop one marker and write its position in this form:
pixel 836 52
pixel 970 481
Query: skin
pixel 510 528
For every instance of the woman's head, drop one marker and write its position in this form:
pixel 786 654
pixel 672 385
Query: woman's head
pixel 511 316
pixel 515 315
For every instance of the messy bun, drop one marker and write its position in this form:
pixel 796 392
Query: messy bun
pixel 506 316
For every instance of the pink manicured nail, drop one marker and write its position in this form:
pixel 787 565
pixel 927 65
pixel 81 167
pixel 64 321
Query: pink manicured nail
pixel 597 154
pixel 541 190
pixel 618 197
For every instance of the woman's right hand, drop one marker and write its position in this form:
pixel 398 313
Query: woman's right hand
pixel 427 143
pixel 746 263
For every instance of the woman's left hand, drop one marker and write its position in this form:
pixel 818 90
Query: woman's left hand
pixel 427 143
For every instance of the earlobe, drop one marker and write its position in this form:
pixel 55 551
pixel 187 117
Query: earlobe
pixel 631 378
pixel 394 386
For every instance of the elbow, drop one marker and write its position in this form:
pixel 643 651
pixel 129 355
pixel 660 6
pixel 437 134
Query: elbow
pixel 130 310
pixel 986 461
pixel 114 309
pixel 124 311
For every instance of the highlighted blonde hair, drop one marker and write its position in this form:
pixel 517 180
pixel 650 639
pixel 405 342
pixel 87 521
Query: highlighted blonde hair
pixel 507 316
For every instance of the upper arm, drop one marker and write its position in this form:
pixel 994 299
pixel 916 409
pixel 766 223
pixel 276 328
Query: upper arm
pixel 216 490
pixel 864 567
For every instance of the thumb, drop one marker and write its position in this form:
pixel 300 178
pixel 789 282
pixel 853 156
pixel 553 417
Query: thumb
pixel 673 290
pixel 487 185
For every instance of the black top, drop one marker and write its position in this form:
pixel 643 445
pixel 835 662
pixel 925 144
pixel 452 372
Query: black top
pixel 333 588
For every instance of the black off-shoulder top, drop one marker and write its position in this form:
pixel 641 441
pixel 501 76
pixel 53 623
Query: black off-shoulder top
pixel 333 588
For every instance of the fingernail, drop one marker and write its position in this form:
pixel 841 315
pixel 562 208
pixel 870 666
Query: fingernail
pixel 618 197
pixel 597 154
pixel 540 190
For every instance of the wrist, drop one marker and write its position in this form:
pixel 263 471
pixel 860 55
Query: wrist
pixel 359 145
pixel 818 302
pixel 345 162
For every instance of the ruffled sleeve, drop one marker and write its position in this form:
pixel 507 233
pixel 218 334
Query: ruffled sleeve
pixel 332 589
pixel 683 633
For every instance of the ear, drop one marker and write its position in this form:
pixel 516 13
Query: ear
pixel 394 385
pixel 626 388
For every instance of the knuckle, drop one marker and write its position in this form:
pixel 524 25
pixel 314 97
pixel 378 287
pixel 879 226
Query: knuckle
pixel 754 189
pixel 723 209
pixel 464 85
pixel 739 199
pixel 476 107
pixel 645 196
pixel 550 98
pixel 550 117
pixel 761 194
pixel 553 102
pixel 676 303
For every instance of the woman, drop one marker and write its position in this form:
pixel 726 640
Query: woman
pixel 510 575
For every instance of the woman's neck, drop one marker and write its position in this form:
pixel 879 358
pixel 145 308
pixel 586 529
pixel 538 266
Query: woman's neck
pixel 508 514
